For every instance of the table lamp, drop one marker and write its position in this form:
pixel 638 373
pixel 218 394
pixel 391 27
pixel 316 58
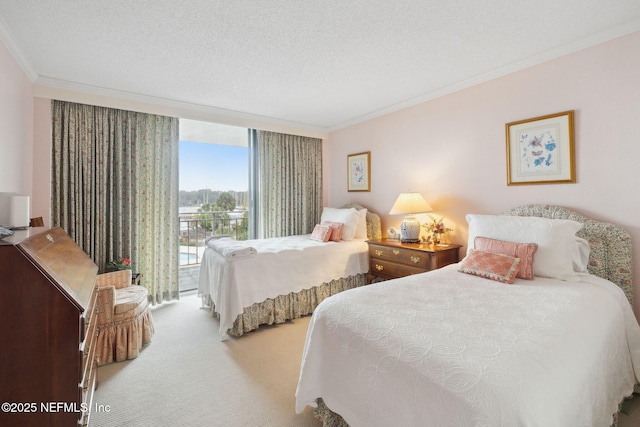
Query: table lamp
pixel 410 204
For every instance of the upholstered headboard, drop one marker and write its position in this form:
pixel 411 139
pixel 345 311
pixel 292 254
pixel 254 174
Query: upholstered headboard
pixel 610 256
pixel 374 227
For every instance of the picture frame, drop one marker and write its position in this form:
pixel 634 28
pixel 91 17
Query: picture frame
pixel 541 150
pixel 359 171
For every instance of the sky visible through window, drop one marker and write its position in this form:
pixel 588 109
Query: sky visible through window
pixel 213 166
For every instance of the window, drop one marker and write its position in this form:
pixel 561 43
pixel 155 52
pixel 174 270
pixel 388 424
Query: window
pixel 214 184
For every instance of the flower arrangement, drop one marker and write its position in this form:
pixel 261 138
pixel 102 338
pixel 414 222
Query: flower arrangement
pixel 436 228
pixel 119 264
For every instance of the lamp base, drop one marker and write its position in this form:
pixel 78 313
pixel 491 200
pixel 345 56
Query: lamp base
pixel 410 230
pixel 410 240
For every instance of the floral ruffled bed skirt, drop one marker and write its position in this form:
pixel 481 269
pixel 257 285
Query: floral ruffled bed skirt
pixel 286 307
pixel 331 419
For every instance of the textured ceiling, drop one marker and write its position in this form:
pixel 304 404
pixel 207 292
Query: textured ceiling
pixel 311 64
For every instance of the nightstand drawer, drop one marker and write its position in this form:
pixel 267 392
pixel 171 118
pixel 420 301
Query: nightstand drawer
pixel 392 270
pixel 400 255
pixel 389 258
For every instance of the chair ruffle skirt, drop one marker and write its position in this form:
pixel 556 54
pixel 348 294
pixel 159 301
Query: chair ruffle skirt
pixel 124 338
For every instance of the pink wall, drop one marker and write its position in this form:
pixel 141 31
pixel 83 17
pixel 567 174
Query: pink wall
pixel 16 120
pixel 40 201
pixel 452 149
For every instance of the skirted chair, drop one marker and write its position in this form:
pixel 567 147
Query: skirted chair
pixel 124 318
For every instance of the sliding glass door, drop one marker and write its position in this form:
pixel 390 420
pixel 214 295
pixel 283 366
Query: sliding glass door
pixel 214 185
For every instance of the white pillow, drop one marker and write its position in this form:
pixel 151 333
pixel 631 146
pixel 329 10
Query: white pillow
pixel 349 217
pixel 361 229
pixel 581 255
pixel 556 239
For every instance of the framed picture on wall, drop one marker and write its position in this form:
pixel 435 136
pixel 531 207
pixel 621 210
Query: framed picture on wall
pixel 541 150
pixel 359 171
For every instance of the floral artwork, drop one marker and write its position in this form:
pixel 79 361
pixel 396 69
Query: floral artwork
pixel 357 169
pixel 540 150
pixel 358 166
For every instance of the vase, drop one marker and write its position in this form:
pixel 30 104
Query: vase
pixel 435 238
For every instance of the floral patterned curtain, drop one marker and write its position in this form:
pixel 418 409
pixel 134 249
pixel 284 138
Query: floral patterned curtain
pixel 115 189
pixel 290 183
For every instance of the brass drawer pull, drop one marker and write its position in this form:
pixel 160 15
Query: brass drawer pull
pixel 379 253
pixel 415 259
pixel 379 267
pixel 396 252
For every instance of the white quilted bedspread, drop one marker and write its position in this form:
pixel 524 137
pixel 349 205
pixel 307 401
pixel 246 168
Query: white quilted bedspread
pixel 281 265
pixel 450 349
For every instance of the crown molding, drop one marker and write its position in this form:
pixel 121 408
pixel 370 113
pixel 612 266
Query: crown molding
pixel 549 55
pixel 6 36
pixel 47 87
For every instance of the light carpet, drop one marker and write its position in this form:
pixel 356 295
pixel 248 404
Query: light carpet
pixel 187 376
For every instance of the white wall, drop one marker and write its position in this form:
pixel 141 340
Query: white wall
pixel 453 150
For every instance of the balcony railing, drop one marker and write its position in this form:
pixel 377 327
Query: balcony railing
pixel 195 228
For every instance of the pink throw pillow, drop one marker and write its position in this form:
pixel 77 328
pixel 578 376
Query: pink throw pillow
pixel 524 251
pixel 336 230
pixel 502 268
pixel 321 233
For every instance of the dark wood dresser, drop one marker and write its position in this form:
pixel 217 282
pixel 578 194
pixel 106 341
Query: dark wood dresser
pixel 390 259
pixel 47 331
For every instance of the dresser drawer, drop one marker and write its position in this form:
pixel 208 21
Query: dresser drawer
pixel 87 317
pixel 446 258
pixel 389 258
pixel 400 255
pixel 389 269
pixel 87 356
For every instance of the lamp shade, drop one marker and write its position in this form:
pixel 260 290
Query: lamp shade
pixel 410 203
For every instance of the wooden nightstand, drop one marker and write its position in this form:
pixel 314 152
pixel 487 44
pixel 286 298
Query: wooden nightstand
pixel 390 259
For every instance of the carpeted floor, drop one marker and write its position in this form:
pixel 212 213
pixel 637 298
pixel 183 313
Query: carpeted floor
pixel 187 376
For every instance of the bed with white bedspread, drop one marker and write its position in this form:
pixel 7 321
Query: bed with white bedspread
pixel 266 281
pixel 448 348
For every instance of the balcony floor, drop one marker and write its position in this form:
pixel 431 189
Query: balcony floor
pixel 188 277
